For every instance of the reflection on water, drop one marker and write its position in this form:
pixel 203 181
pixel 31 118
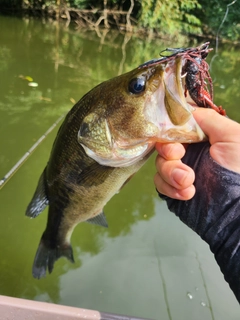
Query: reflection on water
pixel 147 263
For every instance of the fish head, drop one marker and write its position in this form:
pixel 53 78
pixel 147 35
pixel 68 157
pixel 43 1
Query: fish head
pixel 131 112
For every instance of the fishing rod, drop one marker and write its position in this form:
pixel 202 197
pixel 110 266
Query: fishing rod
pixel 14 169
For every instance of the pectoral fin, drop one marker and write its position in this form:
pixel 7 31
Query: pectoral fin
pixel 39 200
pixel 99 220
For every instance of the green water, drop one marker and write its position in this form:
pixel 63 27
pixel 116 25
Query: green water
pixel 147 263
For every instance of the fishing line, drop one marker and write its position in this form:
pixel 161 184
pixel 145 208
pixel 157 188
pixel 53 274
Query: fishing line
pixel 223 20
pixel 27 154
pixel 218 33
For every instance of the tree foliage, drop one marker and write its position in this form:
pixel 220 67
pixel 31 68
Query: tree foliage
pixel 212 14
pixel 161 16
pixel 170 15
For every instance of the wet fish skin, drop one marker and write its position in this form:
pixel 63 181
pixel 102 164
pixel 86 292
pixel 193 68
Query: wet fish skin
pixel 74 185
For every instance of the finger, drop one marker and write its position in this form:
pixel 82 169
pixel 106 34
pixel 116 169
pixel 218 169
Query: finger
pixel 210 121
pixel 170 151
pixel 164 188
pixel 175 173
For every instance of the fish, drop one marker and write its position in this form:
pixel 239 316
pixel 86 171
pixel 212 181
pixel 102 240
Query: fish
pixel 106 137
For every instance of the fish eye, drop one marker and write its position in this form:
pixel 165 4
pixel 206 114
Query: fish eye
pixel 137 85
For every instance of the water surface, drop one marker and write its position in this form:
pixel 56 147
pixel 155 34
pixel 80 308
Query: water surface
pixel 147 263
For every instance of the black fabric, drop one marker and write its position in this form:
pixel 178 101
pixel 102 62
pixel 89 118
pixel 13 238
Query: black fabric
pixel 214 211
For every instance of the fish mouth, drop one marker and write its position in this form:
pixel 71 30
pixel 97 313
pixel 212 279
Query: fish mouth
pixel 177 102
pixel 165 116
pixel 174 108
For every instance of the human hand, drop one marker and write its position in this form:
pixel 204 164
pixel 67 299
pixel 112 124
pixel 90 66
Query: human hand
pixel 174 178
pixel 213 213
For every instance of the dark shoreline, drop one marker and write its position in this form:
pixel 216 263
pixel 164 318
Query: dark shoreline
pixel 75 17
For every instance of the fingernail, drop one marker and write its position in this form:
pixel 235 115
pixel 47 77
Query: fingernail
pixel 179 175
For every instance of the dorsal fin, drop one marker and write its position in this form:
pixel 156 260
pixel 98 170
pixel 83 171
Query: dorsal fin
pixel 100 220
pixel 39 200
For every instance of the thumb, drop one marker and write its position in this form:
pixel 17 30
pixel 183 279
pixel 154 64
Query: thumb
pixel 223 134
pixel 217 127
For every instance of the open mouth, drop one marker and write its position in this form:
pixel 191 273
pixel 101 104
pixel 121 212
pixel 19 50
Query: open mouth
pixel 174 105
pixel 177 100
pixel 193 83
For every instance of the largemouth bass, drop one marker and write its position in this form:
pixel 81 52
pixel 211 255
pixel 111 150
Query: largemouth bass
pixel 105 138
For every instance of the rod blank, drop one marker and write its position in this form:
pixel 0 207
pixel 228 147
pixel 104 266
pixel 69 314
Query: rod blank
pixel 27 154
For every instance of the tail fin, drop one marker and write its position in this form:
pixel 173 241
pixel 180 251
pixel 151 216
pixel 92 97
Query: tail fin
pixel 46 257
